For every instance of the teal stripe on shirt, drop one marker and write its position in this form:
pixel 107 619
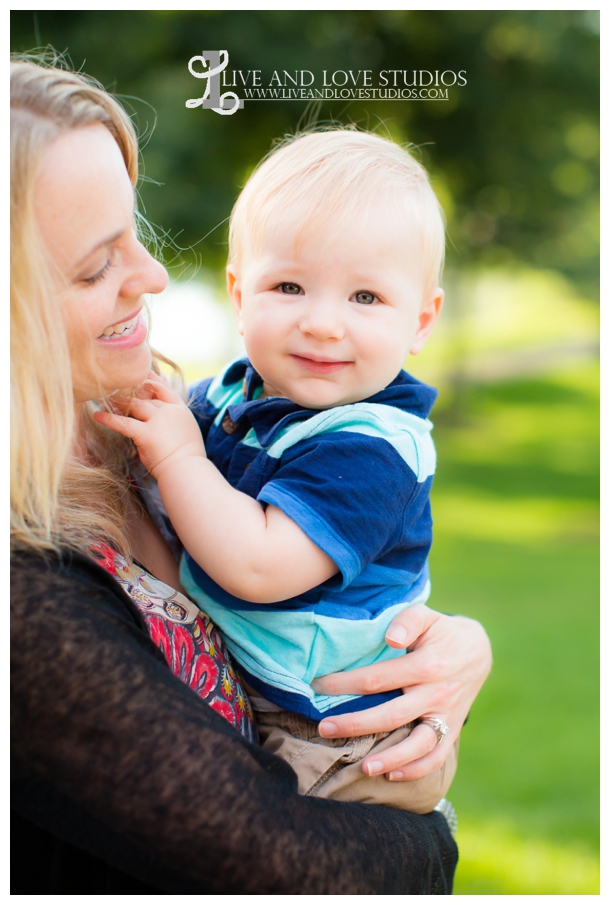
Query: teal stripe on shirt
pixel 310 645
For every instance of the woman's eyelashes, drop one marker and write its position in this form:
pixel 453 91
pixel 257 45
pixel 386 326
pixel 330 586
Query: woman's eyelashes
pixel 102 272
pixel 100 275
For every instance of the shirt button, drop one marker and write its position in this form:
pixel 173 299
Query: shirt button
pixel 228 425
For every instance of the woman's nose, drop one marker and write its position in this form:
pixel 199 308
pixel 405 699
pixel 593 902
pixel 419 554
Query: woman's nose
pixel 146 274
pixel 322 320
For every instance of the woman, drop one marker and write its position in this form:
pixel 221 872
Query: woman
pixel 124 780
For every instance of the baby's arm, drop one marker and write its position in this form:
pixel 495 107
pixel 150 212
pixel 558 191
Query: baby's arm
pixel 257 554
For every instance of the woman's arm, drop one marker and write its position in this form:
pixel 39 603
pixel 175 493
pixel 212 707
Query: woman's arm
pixel 448 661
pixel 112 753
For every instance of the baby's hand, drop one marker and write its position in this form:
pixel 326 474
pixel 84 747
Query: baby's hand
pixel 161 425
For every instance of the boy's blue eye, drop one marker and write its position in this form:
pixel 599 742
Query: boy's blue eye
pixel 365 298
pixel 290 288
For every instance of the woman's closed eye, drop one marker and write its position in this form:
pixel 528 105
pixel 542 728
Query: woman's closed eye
pixel 365 298
pixel 112 255
pixel 100 275
pixel 290 288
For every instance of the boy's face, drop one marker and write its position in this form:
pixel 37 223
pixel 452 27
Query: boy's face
pixel 330 319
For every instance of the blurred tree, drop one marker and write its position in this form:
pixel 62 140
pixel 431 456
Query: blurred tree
pixel 514 153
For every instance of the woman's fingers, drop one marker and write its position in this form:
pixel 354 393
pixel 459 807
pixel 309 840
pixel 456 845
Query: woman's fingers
pixel 406 629
pixel 379 677
pixel 383 718
pixel 449 658
pixel 451 655
pixel 424 765
pixel 409 625
pixel 400 757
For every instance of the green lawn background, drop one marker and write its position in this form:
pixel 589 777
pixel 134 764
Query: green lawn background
pixel 515 507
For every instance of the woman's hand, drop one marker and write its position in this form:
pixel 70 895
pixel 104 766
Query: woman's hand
pixel 449 659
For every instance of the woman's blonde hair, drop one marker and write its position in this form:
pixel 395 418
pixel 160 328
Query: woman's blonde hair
pixel 56 501
pixel 313 177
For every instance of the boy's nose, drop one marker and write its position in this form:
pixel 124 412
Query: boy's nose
pixel 322 322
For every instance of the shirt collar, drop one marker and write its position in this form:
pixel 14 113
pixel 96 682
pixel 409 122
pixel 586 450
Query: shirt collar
pixel 271 414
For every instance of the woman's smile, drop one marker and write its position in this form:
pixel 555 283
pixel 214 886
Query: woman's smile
pixel 127 333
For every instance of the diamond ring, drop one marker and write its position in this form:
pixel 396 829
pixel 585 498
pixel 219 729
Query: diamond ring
pixel 440 727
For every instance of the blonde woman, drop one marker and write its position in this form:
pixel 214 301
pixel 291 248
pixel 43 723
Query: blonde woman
pixel 135 763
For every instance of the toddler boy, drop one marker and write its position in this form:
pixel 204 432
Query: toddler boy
pixel 307 527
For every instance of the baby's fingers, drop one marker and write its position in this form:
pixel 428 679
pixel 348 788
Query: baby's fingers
pixel 129 427
pixel 142 409
pixel 155 387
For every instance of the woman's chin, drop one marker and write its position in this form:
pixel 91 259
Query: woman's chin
pixel 124 373
pixel 132 371
pixel 137 375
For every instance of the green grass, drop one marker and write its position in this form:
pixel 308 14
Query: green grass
pixel 515 506
pixel 496 860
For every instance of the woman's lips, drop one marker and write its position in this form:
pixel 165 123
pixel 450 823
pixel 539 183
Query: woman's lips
pixel 126 334
pixel 326 366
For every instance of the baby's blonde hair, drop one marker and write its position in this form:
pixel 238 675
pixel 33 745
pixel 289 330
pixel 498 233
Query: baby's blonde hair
pixel 315 176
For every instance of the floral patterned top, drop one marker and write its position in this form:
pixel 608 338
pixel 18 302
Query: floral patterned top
pixel 188 639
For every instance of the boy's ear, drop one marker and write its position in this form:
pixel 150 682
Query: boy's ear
pixel 427 318
pixel 234 290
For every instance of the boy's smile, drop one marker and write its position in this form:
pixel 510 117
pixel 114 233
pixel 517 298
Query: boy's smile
pixel 329 314
pixel 320 365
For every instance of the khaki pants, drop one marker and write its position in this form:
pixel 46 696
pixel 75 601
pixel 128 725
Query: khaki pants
pixel 332 768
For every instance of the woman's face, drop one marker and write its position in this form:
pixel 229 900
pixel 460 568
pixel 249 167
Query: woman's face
pixel 84 204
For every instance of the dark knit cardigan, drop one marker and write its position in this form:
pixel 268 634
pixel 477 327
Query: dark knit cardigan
pixel 125 782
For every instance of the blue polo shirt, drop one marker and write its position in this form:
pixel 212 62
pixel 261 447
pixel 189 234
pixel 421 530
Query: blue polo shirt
pixel 356 479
